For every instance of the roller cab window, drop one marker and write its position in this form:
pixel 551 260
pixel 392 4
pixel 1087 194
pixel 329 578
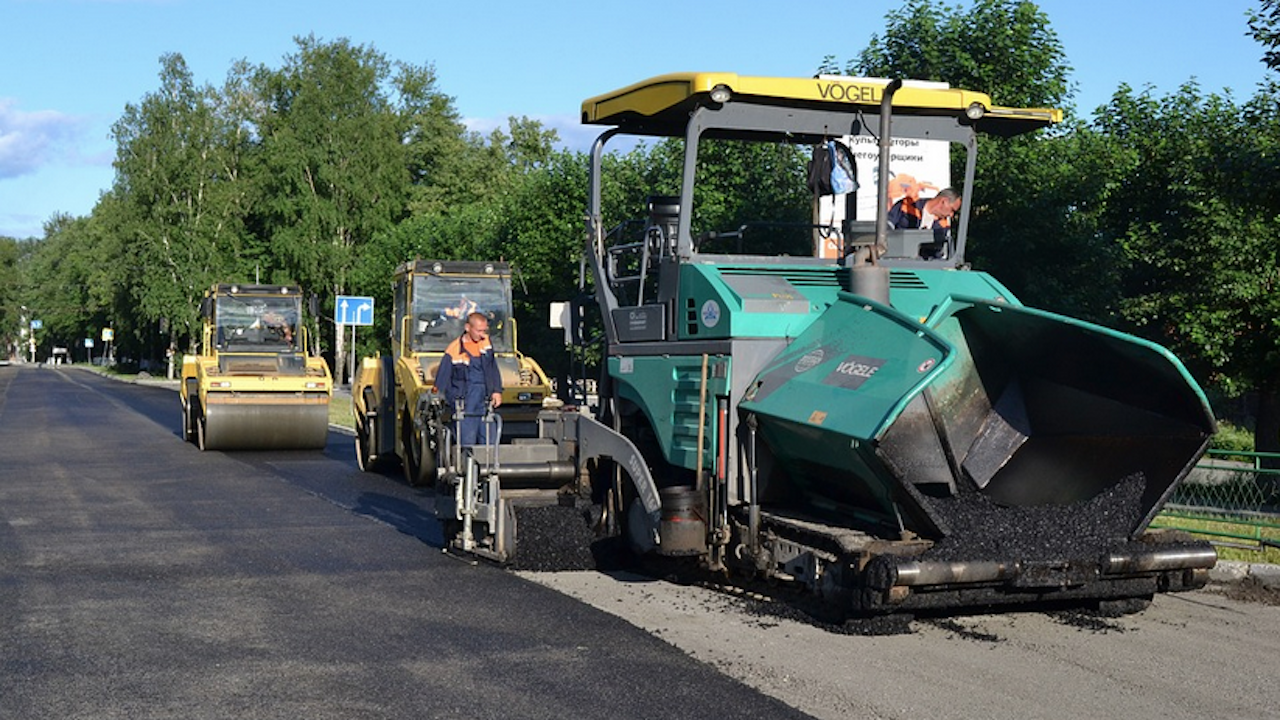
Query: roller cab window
pixel 255 323
pixel 441 306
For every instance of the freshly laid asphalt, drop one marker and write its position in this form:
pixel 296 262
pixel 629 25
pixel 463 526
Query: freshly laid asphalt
pixel 142 578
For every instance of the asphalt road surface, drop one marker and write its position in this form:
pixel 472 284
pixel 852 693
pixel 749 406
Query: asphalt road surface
pixel 1190 656
pixel 141 578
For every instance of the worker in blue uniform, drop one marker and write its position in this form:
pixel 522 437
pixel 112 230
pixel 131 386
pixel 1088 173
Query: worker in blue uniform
pixel 468 373
pixel 932 213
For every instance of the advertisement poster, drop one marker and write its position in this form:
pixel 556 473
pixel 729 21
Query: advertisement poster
pixel 918 168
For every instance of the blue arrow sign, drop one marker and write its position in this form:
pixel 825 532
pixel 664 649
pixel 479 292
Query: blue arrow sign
pixel 353 310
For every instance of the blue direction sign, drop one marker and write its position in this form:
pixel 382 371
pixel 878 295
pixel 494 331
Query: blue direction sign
pixel 353 310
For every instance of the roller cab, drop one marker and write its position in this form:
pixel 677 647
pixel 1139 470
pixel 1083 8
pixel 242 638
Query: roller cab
pixel 254 386
pixel 399 414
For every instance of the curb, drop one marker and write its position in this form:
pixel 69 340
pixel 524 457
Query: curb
pixel 1234 571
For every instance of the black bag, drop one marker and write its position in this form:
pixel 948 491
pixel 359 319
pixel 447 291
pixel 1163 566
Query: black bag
pixel 832 170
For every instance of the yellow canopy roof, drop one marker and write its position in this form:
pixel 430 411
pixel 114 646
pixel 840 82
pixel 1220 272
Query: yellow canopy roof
pixel 660 105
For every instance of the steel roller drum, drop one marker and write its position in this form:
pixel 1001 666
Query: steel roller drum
pixel 266 422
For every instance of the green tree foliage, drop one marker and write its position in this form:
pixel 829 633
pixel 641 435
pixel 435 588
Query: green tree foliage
pixel 11 317
pixel 486 183
pixel 1005 48
pixel 747 184
pixel 332 168
pixel 1264 27
pixel 435 141
pixel 1201 261
pixel 67 286
pixel 737 184
pixel 540 231
pixel 180 198
pixel 1035 220
pixel 1262 112
pixel 347 141
pixel 467 233
pixel 529 147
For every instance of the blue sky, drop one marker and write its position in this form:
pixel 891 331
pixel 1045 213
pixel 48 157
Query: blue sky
pixel 68 67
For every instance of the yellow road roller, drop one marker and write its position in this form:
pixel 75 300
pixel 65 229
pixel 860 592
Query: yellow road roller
pixel 253 386
pixel 398 412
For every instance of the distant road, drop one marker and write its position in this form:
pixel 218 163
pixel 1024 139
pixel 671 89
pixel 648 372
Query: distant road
pixel 141 578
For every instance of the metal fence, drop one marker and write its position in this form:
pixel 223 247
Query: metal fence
pixel 1233 499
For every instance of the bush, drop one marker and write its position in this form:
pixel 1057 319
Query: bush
pixel 1232 437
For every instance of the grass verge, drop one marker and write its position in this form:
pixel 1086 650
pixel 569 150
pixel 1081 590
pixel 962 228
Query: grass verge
pixel 340 411
pixel 1227 534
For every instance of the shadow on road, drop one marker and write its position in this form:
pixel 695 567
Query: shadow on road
pixel 404 515
pixel 333 473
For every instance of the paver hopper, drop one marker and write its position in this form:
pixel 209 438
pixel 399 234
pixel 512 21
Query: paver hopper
pixel 1025 447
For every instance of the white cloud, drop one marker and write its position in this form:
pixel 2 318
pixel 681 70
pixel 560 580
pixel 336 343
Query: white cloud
pixel 20 225
pixel 574 136
pixel 31 140
pixel 484 126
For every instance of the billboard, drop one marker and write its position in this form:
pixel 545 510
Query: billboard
pixel 916 167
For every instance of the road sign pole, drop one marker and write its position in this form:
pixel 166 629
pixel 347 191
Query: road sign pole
pixel 350 310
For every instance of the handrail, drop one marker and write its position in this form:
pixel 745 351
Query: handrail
pixel 1246 453
pixel 1254 456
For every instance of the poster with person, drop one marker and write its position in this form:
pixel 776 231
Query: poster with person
pixel 917 169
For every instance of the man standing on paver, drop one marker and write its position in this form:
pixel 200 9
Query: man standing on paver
pixel 468 373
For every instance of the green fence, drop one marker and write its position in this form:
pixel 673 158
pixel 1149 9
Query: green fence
pixel 1231 498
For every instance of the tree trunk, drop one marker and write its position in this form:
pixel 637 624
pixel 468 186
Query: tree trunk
pixel 339 345
pixel 339 354
pixel 171 355
pixel 1266 434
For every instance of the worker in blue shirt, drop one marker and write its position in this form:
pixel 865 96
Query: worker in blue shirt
pixel 932 213
pixel 468 372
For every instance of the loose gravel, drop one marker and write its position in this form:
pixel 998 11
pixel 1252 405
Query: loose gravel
pixel 964 633
pixel 1086 621
pixel 983 530
pixel 553 538
pixel 879 625
pixel 1251 590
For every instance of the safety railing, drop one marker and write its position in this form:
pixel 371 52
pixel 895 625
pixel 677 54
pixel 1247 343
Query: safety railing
pixel 1231 498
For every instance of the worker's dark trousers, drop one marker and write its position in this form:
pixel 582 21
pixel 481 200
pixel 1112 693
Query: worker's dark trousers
pixel 473 430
